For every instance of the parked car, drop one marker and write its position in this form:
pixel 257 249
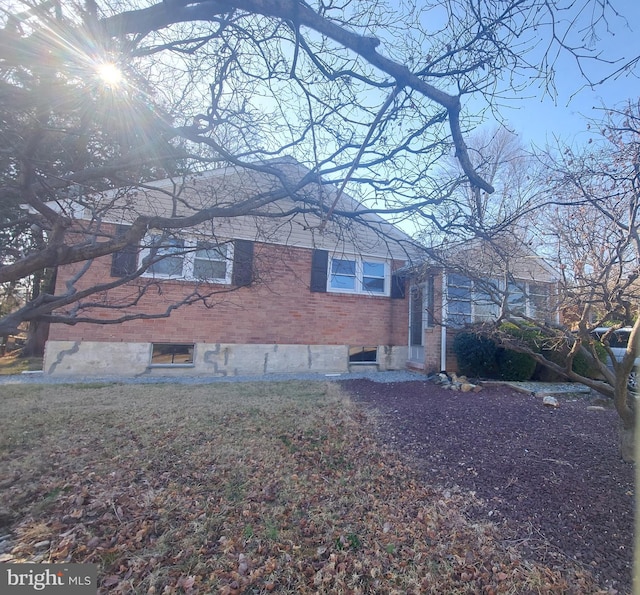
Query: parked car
pixel 618 341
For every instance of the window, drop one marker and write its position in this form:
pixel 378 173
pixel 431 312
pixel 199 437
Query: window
pixel 486 301
pixel 210 261
pixel 359 276
pixel 373 276
pixel 190 260
pixel 172 354
pixel 459 296
pixel 172 257
pixel 343 274
pixel 416 315
pixel 479 301
pixel 540 303
pixel 516 300
pixel 363 355
pixel 431 301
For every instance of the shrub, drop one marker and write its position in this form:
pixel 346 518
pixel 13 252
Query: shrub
pixel 513 365
pixel 476 355
pixel 480 357
pixel 582 363
pixel 529 335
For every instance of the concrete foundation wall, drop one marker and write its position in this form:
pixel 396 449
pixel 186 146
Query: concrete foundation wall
pixel 94 358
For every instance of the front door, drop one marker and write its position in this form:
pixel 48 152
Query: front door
pixel 417 319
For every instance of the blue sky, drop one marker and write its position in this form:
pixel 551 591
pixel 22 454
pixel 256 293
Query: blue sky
pixel 537 120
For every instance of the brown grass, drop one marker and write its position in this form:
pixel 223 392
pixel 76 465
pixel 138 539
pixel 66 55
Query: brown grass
pixel 13 363
pixel 238 488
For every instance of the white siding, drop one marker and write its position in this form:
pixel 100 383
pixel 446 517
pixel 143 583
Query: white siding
pixel 369 236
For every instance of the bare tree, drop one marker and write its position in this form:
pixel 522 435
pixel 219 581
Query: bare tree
pixel 588 229
pixel 364 95
pixel 467 212
pixel 595 231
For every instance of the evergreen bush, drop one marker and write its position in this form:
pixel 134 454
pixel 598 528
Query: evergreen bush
pixel 582 363
pixel 476 355
pixel 516 366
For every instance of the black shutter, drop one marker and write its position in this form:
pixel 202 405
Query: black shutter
pixel 242 263
pixel 125 261
pixel 397 286
pixel 319 265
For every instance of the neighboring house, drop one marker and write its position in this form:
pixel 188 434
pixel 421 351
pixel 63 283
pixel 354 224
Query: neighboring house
pixel 269 294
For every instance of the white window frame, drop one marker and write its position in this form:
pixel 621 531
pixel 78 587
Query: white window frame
pixel 226 250
pixel 359 288
pixel 534 296
pixel 520 289
pixel 459 319
pixel 189 249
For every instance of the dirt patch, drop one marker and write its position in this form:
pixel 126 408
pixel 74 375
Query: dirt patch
pixel 551 478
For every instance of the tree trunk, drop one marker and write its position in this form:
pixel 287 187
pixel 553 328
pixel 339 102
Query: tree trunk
pixel 38 332
pixel 627 443
pixel 36 338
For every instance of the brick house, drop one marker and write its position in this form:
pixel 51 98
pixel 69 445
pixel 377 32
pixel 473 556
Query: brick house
pixel 471 285
pixel 286 293
pixel 266 294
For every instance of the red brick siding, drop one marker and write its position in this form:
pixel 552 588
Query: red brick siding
pixel 279 308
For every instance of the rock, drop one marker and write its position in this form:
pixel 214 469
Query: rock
pixel 455 383
pixel 604 403
pixel 442 378
pixel 550 401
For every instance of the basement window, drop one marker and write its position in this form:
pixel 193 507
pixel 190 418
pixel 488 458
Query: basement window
pixel 172 354
pixel 363 355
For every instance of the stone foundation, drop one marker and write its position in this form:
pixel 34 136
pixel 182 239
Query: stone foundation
pixel 96 358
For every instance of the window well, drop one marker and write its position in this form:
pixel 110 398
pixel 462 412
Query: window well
pixel 363 355
pixel 172 354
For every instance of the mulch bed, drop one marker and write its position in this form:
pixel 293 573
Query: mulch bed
pixel 552 479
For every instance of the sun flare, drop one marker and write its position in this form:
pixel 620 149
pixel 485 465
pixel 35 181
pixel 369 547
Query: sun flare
pixel 109 74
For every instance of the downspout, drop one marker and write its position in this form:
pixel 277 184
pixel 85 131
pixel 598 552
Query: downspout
pixel 443 325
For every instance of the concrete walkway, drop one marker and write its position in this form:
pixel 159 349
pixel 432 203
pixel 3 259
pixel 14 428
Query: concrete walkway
pixel 544 389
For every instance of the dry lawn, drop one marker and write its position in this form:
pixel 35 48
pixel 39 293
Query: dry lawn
pixel 238 488
pixel 14 363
